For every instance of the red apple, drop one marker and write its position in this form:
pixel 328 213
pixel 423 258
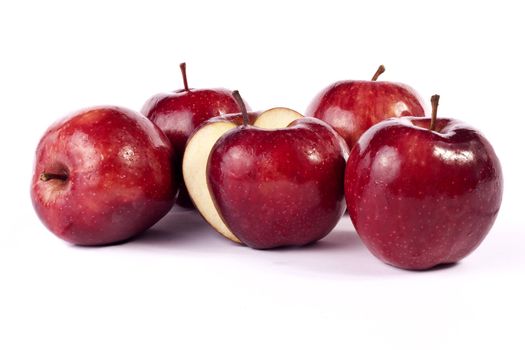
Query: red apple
pixel 353 106
pixel 102 175
pixel 423 191
pixel 278 182
pixel 178 113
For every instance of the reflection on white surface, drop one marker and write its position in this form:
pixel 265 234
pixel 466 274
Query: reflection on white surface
pixel 451 156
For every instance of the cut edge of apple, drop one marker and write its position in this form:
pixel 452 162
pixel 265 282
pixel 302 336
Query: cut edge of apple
pixel 194 166
pixel 277 118
pixel 195 161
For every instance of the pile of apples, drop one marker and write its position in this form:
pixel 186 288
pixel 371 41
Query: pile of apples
pixel 420 191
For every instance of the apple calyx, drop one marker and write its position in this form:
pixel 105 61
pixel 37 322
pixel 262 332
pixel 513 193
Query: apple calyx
pixel 242 106
pixel 184 77
pixel 434 100
pixel 378 72
pixel 50 176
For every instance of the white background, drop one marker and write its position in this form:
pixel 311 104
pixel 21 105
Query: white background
pixel 180 286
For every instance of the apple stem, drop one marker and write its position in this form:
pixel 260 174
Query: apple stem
pixel 379 71
pixel 434 100
pixel 240 102
pixel 51 176
pixel 184 77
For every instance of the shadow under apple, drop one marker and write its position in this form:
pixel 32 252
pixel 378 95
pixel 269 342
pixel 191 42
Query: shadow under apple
pixel 182 228
pixel 339 253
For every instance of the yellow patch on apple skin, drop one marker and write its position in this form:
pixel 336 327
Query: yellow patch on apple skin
pixel 277 118
pixel 194 166
pixel 52 190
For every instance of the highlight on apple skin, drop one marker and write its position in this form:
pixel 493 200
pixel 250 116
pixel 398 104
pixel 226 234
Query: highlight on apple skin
pixel 102 175
pixel 353 106
pixel 180 112
pixel 423 191
pixel 276 180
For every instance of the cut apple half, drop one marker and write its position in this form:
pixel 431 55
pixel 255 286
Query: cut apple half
pixel 197 152
pixel 194 171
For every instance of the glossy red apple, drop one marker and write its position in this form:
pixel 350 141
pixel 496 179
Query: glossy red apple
pixel 353 106
pixel 423 191
pixel 178 113
pixel 102 175
pixel 278 182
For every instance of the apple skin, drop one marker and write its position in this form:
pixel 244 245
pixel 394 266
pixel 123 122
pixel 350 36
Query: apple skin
pixel 352 106
pixel 119 176
pixel 281 187
pixel 420 198
pixel 179 113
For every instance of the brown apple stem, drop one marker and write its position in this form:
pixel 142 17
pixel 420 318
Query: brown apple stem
pixel 434 100
pixel 51 176
pixel 379 71
pixel 184 77
pixel 240 102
